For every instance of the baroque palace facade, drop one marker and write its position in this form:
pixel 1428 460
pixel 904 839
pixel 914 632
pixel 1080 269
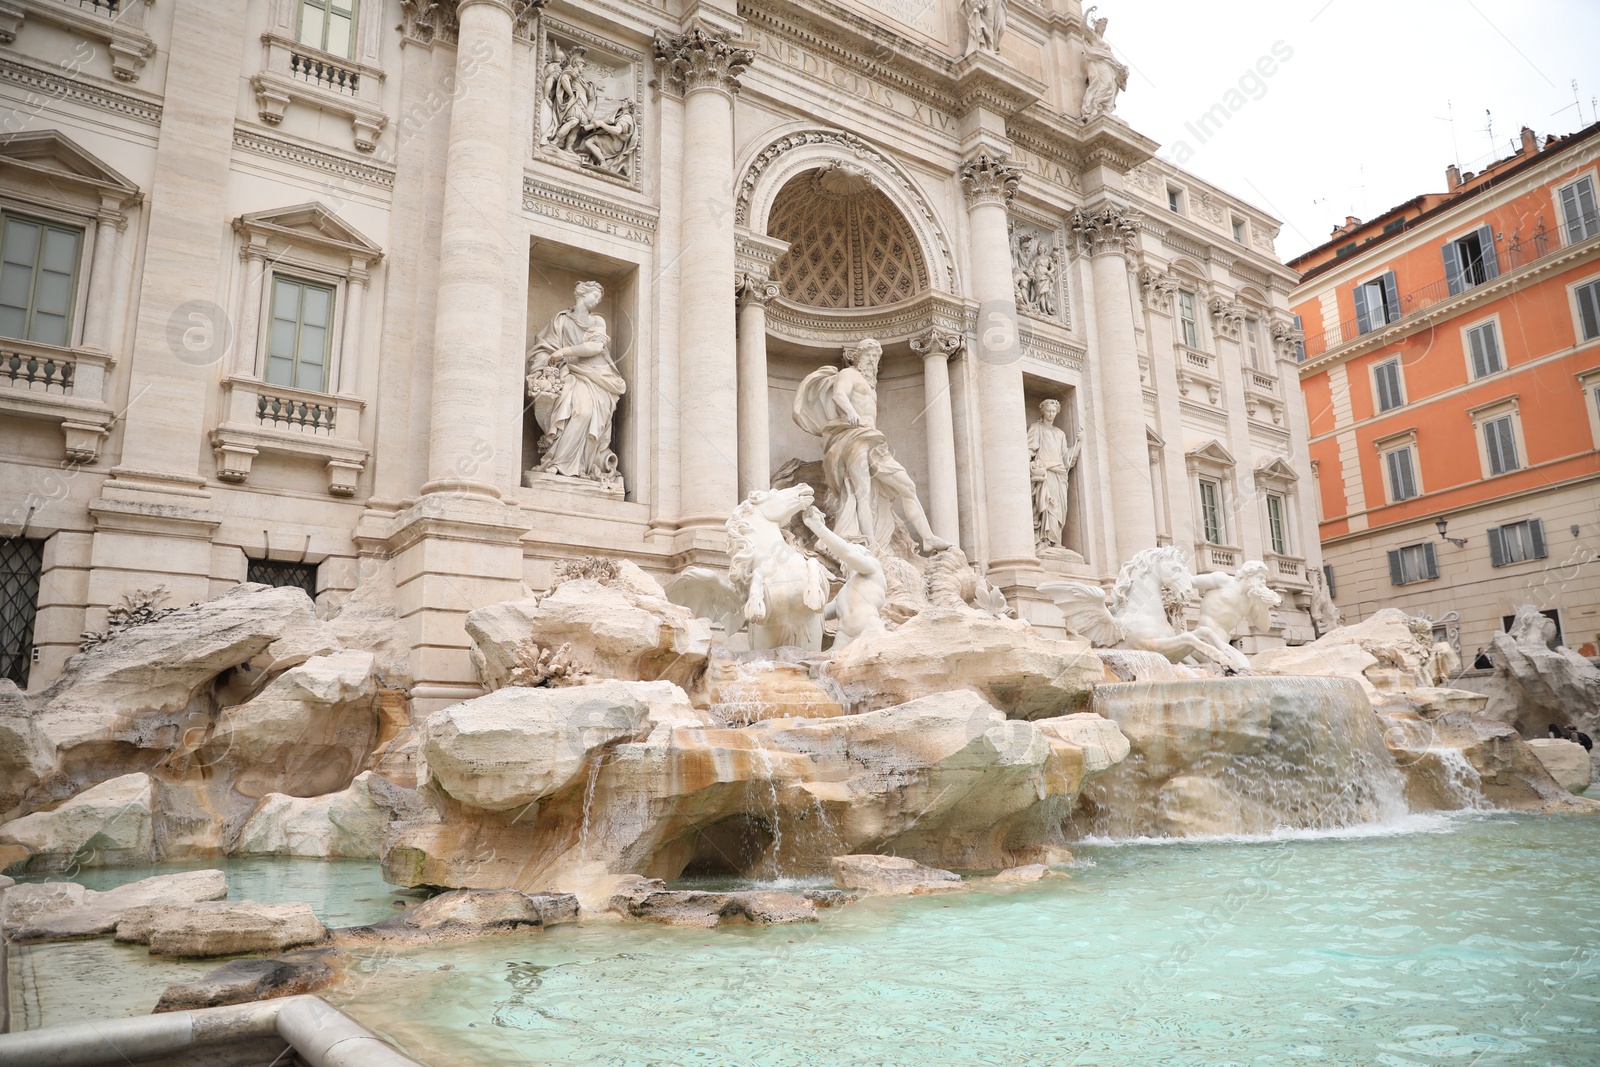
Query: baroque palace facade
pixel 292 293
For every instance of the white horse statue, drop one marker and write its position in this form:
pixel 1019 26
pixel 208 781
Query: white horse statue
pixel 771 589
pixel 1150 593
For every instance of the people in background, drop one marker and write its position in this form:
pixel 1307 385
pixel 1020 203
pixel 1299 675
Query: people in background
pixel 1482 662
pixel 1572 733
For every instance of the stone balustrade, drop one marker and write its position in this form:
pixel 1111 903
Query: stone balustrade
pixel 293 422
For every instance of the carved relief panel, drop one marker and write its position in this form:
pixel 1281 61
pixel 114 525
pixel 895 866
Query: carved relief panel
pixel 588 115
pixel 1038 270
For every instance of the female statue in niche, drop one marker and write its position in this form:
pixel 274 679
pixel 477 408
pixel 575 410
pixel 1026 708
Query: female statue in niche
pixel 574 387
pixel 1051 459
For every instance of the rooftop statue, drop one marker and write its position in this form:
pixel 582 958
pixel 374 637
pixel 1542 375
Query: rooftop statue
pixel 986 24
pixel 1106 76
pixel 1145 610
pixel 841 407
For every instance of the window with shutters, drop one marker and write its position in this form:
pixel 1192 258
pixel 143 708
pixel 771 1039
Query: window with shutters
pixel 1211 511
pixel 1470 261
pixel 1400 465
pixel 1327 576
pixel 38 279
pixel 300 334
pixel 1587 299
pixel 1386 386
pixel 1413 563
pixel 329 25
pixel 1377 302
pixel 1580 220
pixel 1188 321
pixel 1500 444
pixel 1517 542
pixel 1483 350
pixel 1277 523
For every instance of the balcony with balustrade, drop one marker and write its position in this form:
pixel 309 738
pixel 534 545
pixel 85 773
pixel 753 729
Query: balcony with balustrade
pixel 1287 573
pixel 117 24
pixel 61 385
pixel 264 418
pixel 292 72
pixel 1210 557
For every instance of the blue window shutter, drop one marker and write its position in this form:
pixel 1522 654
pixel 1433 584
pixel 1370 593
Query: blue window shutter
pixel 1497 547
pixel 1536 527
pixel 1396 573
pixel 1452 267
pixel 1430 560
pixel 1491 262
pixel 1391 293
pixel 1363 316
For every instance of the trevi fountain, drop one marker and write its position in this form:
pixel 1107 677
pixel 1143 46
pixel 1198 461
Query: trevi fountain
pixel 800 659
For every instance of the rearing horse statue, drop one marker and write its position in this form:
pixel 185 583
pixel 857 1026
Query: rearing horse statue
pixel 1151 589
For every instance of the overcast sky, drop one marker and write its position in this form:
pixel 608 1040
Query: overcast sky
pixel 1357 119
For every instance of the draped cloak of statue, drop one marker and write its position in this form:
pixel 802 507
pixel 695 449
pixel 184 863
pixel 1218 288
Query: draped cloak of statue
pixel 816 413
pixel 577 422
pixel 1053 457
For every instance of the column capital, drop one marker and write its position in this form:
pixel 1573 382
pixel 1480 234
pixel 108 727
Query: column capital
pixel 938 341
pixel 1108 228
pixel 702 58
pixel 755 287
pixel 1158 287
pixel 988 179
pixel 1227 316
pixel 437 21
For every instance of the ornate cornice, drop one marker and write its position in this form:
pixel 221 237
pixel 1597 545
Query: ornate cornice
pixel 896 322
pixel 702 58
pixel 939 341
pixel 1110 228
pixel 277 148
pixel 564 201
pixel 58 87
pixel 989 179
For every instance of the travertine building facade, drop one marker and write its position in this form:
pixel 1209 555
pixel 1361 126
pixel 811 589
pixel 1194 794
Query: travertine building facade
pixel 274 271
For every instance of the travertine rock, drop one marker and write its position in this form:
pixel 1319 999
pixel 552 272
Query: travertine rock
pixel 891 874
pixel 1452 756
pixel 1535 685
pixel 515 746
pixel 465 913
pixel 247 981
pixel 351 823
pixel 1031 872
pixel 1429 701
pixel 1007 662
pixel 693 908
pixel 106 826
pixel 752 688
pixel 307 733
pixel 230 928
pixel 147 696
pixel 1391 652
pixel 1567 762
pixel 64 910
pixel 625 629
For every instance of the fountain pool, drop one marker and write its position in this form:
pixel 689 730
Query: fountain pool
pixel 1439 941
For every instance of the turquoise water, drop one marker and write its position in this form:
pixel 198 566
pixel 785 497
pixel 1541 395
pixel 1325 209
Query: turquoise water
pixel 1474 942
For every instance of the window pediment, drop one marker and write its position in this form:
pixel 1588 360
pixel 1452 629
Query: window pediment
pixel 1275 472
pixel 310 225
pixel 50 154
pixel 1209 454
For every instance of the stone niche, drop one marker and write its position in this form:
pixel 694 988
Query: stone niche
pixel 554 271
pixel 1036 391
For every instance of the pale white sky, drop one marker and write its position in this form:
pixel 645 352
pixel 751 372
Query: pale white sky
pixel 1357 119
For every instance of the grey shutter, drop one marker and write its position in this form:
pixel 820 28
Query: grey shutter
pixel 1391 295
pixel 1588 223
pixel 1492 446
pixel 1327 576
pixel 1536 527
pixel 1508 443
pixel 1491 262
pixel 1480 366
pixel 1497 547
pixel 1396 573
pixel 1571 215
pixel 1363 316
pixel 1491 348
pixel 1430 560
pixel 1589 310
pixel 1452 267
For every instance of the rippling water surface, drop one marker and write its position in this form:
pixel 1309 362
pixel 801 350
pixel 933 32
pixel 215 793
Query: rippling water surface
pixel 1471 941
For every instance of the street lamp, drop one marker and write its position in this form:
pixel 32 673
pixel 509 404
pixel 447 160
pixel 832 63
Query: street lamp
pixel 1441 525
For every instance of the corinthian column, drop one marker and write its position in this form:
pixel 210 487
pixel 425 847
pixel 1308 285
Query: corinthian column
pixel 989 183
pixel 937 347
pixel 703 65
pixel 468 335
pixel 755 448
pixel 1107 234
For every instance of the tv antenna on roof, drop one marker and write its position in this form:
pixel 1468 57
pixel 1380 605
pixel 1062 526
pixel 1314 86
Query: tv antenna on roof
pixel 1488 128
pixel 1577 102
pixel 1450 117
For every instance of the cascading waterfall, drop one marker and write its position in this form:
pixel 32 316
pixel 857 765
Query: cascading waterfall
pixel 1241 756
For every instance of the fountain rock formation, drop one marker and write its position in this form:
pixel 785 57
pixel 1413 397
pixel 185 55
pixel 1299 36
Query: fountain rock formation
pixel 1535 685
pixel 1240 755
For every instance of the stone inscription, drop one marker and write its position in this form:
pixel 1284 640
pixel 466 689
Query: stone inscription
pixel 918 14
pixel 851 83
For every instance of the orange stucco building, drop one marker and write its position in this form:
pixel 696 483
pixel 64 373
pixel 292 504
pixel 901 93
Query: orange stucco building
pixel 1452 372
